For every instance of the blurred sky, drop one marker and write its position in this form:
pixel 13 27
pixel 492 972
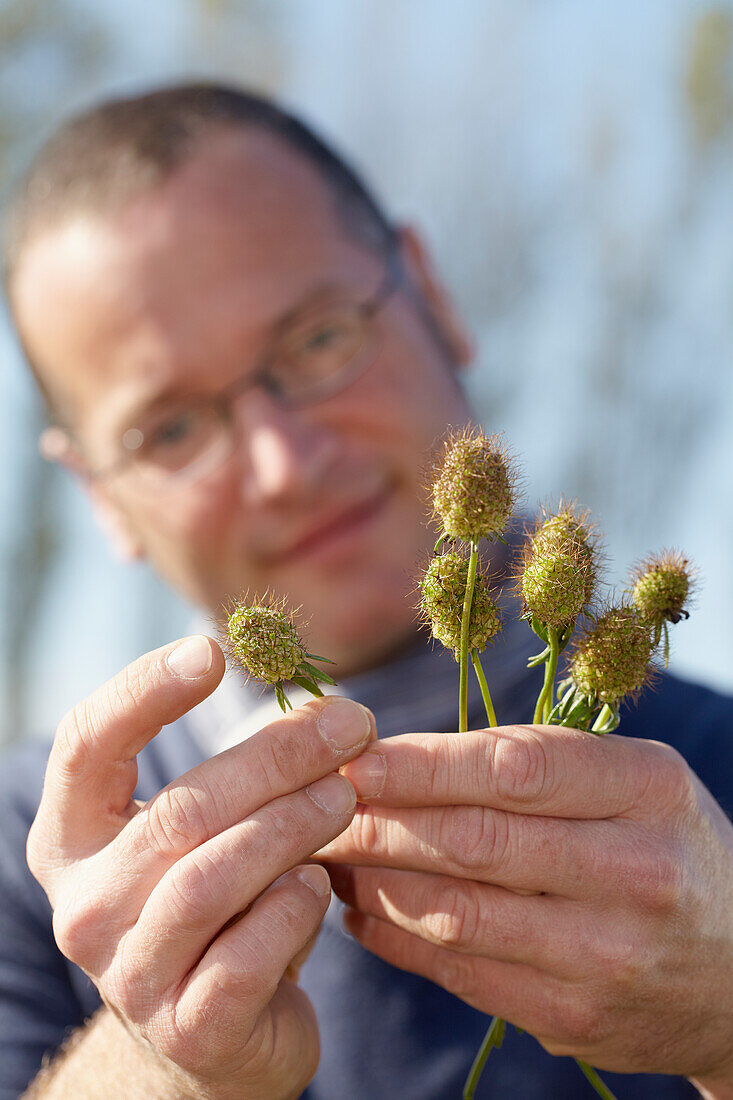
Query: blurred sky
pixel 571 165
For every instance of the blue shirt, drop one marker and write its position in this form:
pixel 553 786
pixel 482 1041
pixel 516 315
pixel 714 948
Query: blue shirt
pixel 385 1033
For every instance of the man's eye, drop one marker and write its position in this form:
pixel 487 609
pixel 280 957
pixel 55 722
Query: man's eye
pixel 171 432
pixel 323 338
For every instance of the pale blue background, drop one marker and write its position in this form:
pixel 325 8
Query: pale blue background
pixel 571 164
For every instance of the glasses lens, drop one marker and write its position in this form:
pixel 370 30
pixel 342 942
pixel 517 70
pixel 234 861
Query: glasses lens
pixel 318 353
pixel 177 439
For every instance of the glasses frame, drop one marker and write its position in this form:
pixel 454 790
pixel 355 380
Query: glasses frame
pixel 221 402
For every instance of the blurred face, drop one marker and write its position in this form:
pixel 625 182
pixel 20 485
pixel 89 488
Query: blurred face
pixel 183 292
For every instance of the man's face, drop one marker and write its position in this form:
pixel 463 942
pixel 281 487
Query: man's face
pixel 179 294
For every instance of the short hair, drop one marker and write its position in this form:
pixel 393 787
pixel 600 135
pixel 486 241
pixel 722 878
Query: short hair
pixel 104 157
pixel 122 147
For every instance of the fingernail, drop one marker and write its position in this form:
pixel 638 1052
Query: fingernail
pixel 333 794
pixel 343 723
pixel 316 878
pixel 367 773
pixel 191 658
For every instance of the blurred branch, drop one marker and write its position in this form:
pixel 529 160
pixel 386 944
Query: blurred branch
pixel 708 82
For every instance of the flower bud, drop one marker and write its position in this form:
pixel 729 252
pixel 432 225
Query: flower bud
pixel 474 486
pixel 264 641
pixel 612 659
pixel 662 584
pixel 443 589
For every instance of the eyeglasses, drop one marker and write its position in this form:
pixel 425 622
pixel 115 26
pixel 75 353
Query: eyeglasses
pixel 313 358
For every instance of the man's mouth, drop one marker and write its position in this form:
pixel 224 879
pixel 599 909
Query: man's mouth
pixel 337 529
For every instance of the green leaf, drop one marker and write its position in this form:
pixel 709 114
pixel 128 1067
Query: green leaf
pixel 308 684
pixel 316 673
pixel 282 698
pixel 315 657
pixel 539 659
pixel 554 715
pixel 579 716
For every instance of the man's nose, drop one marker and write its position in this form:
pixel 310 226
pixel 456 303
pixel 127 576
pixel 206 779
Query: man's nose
pixel 283 453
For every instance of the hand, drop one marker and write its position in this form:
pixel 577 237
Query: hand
pixel 581 887
pixel 191 912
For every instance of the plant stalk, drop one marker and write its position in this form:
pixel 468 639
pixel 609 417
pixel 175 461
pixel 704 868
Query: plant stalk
pixel 493 1038
pixel 485 693
pixel 601 1088
pixel 465 625
pixel 544 701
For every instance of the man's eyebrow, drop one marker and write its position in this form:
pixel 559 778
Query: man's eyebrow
pixel 313 298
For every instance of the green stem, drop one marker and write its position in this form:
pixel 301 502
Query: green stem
pixel 463 656
pixel 605 713
pixel 544 701
pixel 485 693
pixel 493 1038
pixel 602 1089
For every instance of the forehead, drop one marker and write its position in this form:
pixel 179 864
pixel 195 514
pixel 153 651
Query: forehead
pixel 241 232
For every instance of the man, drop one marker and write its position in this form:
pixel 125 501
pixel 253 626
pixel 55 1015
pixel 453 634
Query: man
pixel 246 366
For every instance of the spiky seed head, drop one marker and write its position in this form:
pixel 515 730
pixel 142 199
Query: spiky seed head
pixel 263 640
pixel 661 586
pixel 553 589
pixel 474 486
pixel 443 587
pixel 570 530
pixel 557 574
pixel 612 659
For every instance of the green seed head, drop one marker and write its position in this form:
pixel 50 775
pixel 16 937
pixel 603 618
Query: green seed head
pixel 443 587
pixel 557 576
pixel 553 589
pixel 264 641
pixel 661 586
pixel 612 659
pixel 474 486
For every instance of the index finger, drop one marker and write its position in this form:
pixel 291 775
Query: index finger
pixel 547 770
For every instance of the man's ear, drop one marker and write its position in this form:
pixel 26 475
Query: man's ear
pixel 56 446
pixel 418 263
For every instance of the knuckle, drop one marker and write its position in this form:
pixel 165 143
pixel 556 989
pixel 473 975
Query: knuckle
pixel 127 987
pixel 657 879
pixel 283 759
pixel 474 838
pixel 123 692
pixel 283 764
pixel 435 777
pixel 667 780
pixel 457 974
pixel 72 741
pixel 521 766
pixel 582 1020
pixel 79 928
pixel 454 919
pixel 191 889
pixel 176 820
pixel 37 850
pixel 249 966
pixel 174 1037
pixel 364 833
pixel 612 959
